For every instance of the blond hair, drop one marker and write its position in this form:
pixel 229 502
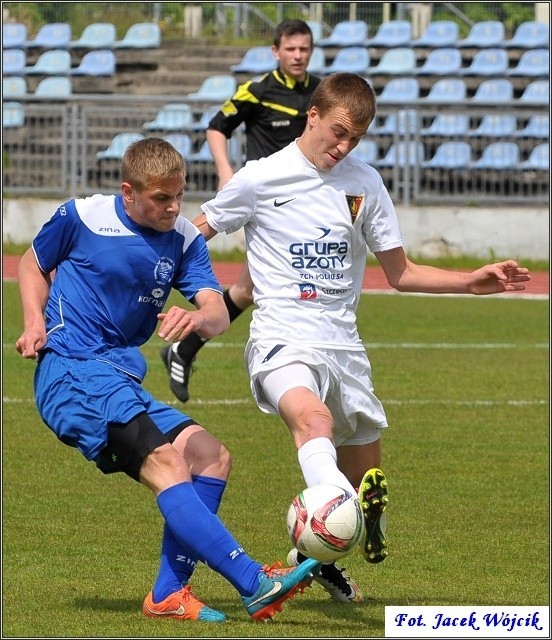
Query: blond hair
pixel 348 91
pixel 150 159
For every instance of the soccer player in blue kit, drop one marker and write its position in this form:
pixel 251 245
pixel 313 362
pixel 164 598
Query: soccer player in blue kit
pixel 116 259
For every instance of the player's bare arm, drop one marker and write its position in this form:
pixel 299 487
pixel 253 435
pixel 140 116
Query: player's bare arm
pixel 201 223
pixel 210 320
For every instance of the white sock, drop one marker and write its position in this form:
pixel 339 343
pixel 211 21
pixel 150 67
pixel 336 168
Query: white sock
pixel 317 459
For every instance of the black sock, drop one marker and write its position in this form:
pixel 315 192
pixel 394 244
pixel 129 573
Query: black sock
pixel 302 558
pixel 233 310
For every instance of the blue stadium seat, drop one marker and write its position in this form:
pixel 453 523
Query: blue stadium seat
pixel 98 62
pixel 534 62
pixel 439 33
pixel 56 35
pixel 13 115
pixel 14 87
pixel 55 62
pixel 317 31
pixel 203 122
pixel 448 124
pixel 118 146
pixel 530 35
pixel 499 156
pixel 14 35
pixel 172 117
pixel 13 62
pixel 538 160
pixel 347 33
pixel 447 90
pixel 487 62
pixel 395 33
pixel 397 61
pixel 351 59
pixel 402 154
pixel 402 122
pixel 441 62
pixel 215 88
pixel 98 35
pixel 181 142
pixel 450 155
pixel 317 61
pixel 55 87
pixel 256 60
pixel 536 92
pixel 495 125
pixel 142 35
pixel 366 150
pixel 400 91
pixel 494 91
pixel 538 126
pixel 485 34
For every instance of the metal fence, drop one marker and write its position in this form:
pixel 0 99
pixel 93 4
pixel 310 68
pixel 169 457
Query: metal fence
pixel 60 150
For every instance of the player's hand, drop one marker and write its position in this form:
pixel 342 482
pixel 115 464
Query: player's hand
pixel 499 277
pixel 31 343
pixel 177 323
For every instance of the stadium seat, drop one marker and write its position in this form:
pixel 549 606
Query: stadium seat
pixel 317 31
pixel 256 60
pixel 172 117
pixel 440 33
pixel 538 160
pixel 317 61
pixel 118 146
pixel 487 62
pixel 499 156
pixel 448 124
pixel 181 142
pixel 366 150
pixel 216 88
pixel 13 115
pixel 54 87
pixel 495 91
pixel 402 154
pixel 400 91
pixel 203 122
pixel 397 61
pixel 530 35
pixel 98 35
pixel 143 35
pixel 535 62
pixel 536 92
pixel 485 34
pixel 14 35
pixel 447 90
pixel 14 87
pixel 99 62
pixel 402 122
pixel 347 33
pixel 538 126
pixel 395 33
pixel 450 155
pixel 350 59
pixel 55 62
pixel 13 62
pixel 495 126
pixel 441 62
pixel 56 35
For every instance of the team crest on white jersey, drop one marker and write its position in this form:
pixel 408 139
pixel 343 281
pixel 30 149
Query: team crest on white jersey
pixel 308 291
pixel 164 270
pixel 355 204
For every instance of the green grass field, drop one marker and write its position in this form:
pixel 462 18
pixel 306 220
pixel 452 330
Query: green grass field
pixel 466 388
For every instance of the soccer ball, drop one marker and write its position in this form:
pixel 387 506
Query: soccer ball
pixel 325 522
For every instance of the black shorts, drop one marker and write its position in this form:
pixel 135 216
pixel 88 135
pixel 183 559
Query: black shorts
pixel 128 444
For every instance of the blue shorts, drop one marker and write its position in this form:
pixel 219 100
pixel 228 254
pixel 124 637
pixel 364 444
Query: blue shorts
pixel 77 399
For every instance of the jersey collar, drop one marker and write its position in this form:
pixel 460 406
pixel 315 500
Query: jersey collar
pixel 290 83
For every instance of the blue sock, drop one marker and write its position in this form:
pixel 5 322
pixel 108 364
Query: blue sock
pixel 177 563
pixel 203 534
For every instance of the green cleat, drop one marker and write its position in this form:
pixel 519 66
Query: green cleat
pixel 373 498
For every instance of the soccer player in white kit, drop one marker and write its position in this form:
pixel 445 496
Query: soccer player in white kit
pixel 309 213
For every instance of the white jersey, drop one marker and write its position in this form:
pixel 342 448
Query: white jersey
pixel 306 235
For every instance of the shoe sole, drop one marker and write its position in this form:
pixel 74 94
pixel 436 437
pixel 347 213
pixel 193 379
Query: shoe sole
pixel 373 498
pixel 270 610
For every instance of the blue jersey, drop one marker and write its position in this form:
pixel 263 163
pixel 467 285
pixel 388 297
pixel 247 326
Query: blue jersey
pixel 113 277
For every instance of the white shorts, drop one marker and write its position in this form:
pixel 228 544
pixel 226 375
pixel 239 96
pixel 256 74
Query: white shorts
pixel 340 378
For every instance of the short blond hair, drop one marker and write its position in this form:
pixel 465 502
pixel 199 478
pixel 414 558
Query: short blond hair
pixel 349 91
pixel 150 159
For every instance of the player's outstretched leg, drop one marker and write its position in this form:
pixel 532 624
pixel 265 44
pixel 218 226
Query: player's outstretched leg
pixel 182 605
pixel 340 586
pixel 278 584
pixel 373 497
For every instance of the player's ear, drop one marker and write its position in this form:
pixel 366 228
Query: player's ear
pixel 127 191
